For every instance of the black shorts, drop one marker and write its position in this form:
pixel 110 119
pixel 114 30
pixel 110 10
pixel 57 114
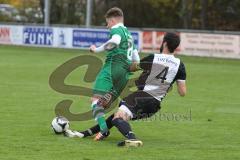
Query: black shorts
pixel 141 104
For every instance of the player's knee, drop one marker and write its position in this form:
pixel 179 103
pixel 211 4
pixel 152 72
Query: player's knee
pixel 122 115
pixel 117 115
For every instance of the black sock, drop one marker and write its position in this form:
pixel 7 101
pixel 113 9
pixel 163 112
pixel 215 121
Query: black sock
pixel 95 129
pixel 124 127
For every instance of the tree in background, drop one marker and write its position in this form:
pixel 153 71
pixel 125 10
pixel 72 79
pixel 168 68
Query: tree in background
pixel 15 3
pixel 224 15
pixel 66 11
pixel 181 14
pixel 21 11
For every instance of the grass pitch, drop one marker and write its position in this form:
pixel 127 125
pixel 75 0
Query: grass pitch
pixel 203 125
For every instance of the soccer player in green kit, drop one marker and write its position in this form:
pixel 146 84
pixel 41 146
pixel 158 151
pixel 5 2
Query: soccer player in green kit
pixel 113 76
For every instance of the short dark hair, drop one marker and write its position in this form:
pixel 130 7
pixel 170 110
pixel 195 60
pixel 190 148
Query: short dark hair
pixel 172 40
pixel 114 12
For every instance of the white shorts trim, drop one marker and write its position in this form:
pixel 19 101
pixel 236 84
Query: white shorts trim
pixel 126 110
pixel 181 80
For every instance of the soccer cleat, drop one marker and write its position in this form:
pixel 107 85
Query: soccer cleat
pixel 130 143
pixel 100 136
pixel 73 134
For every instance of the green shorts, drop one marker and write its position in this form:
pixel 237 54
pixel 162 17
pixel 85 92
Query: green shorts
pixel 111 79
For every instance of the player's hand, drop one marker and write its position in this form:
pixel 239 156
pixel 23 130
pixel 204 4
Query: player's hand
pixel 92 48
pixel 134 67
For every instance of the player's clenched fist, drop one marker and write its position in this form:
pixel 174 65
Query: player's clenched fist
pixel 92 48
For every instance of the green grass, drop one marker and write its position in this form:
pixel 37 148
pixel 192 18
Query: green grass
pixel 27 108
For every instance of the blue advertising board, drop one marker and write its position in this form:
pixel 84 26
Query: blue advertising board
pixel 84 38
pixel 38 36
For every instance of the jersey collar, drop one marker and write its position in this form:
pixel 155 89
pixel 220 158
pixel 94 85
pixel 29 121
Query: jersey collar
pixel 169 55
pixel 118 25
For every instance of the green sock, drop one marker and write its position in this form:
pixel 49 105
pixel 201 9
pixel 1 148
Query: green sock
pixel 102 123
pixel 98 114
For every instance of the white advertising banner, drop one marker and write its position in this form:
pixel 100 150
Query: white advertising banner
pixel 211 45
pixel 62 37
pixel 11 34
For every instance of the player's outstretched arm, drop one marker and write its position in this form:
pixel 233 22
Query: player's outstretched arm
pixel 109 45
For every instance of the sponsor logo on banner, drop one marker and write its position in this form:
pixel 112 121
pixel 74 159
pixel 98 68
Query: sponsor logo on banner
pixel 5 35
pixel 61 38
pixel 38 36
pixel 86 38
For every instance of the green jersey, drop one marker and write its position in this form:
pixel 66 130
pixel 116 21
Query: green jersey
pixel 113 76
pixel 126 45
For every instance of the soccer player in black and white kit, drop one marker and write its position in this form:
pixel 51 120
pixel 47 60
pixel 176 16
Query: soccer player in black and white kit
pixel 160 71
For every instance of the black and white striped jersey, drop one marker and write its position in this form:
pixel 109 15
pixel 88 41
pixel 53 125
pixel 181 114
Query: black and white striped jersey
pixel 160 71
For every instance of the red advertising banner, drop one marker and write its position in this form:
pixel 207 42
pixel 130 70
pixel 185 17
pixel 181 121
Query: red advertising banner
pixel 152 41
pixel 147 40
pixel 158 40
